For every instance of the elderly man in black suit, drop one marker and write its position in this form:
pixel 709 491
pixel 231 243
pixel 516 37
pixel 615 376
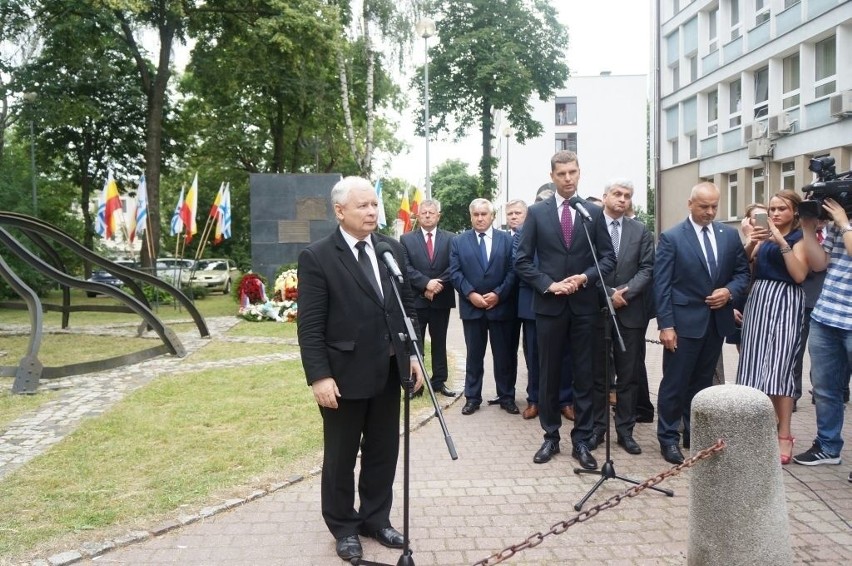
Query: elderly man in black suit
pixel 699 269
pixel 427 250
pixel 481 271
pixel 554 257
pixel 627 286
pixel 349 337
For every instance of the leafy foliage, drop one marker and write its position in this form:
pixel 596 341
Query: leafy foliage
pixel 455 188
pixel 493 55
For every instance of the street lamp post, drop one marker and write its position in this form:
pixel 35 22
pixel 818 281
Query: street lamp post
pixel 507 132
pixel 426 28
pixel 29 98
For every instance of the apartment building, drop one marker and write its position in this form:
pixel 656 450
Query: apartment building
pixel 603 118
pixel 747 92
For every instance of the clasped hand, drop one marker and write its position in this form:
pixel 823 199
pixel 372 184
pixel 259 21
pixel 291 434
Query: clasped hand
pixel 567 286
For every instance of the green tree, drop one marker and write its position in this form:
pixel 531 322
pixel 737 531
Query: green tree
pixel 493 55
pixel 455 188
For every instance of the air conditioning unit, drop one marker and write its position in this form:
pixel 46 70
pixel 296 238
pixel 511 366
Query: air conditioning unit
pixel 840 104
pixel 754 131
pixel 780 125
pixel 760 148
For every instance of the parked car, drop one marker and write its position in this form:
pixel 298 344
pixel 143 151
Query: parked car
pixel 173 269
pixel 103 276
pixel 217 274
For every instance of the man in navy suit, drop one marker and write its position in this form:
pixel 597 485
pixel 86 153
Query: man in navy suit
pixel 481 271
pixel 554 257
pixel 428 252
pixel 349 337
pixel 699 269
pixel 627 287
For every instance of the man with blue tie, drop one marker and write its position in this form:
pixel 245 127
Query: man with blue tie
pixel 481 272
pixel 700 267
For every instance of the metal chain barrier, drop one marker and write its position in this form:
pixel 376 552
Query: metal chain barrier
pixel 562 526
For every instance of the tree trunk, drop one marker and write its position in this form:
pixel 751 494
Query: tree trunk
pixel 347 111
pixel 486 162
pixel 366 163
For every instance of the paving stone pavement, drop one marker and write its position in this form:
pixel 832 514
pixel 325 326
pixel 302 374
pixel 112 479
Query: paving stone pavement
pixel 493 496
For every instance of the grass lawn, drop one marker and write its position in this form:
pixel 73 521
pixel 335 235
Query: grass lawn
pixel 186 439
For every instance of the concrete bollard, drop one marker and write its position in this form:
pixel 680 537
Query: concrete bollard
pixel 737 502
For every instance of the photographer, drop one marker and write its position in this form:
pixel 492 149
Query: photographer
pixel 830 344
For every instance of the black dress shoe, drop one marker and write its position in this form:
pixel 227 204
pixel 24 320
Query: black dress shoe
pixel 672 454
pixel 686 440
pixel 546 452
pixel 445 391
pixel 388 536
pixel 349 547
pixel 597 439
pixel 582 454
pixel 510 407
pixel 629 444
pixel 470 407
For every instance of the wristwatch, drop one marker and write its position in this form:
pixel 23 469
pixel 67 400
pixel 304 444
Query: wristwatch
pixel 847 228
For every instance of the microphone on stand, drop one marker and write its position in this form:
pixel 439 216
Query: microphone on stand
pixel 577 204
pixel 384 251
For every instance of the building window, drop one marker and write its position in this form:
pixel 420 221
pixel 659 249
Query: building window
pixel 566 142
pixel 733 197
pixel 761 92
pixel 693 67
pixel 761 11
pixel 791 3
pixel 693 146
pixel 788 175
pixel 713 29
pixel 790 67
pixel 712 112
pixel 675 76
pixel 826 67
pixel 735 90
pixel 675 146
pixel 758 191
pixel 566 111
pixel 736 30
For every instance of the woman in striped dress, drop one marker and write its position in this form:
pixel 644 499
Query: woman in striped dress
pixel 774 311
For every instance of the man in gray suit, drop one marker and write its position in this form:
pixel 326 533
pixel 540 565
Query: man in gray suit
pixel 627 287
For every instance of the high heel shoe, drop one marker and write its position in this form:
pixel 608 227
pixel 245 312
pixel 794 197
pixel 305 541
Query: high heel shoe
pixel 785 458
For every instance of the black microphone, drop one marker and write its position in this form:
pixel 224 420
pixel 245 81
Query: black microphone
pixel 384 251
pixel 577 204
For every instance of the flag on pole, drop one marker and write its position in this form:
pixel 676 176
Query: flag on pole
pixel 130 220
pixel 415 202
pixel 223 220
pixel 141 207
pixel 383 221
pixel 188 211
pixel 214 210
pixel 100 223
pixel 112 204
pixel 404 213
pixel 177 224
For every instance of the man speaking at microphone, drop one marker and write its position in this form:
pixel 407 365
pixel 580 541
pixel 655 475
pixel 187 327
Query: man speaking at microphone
pixel 567 302
pixel 353 355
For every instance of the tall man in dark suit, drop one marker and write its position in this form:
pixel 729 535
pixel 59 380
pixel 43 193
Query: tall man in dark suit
pixel 699 269
pixel 349 337
pixel 428 252
pixel 555 258
pixel 481 271
pixel 627 287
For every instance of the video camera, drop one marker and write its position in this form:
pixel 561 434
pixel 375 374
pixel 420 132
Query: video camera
pixel 827 186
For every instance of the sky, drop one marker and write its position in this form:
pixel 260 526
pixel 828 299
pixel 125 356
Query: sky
pixel 603 35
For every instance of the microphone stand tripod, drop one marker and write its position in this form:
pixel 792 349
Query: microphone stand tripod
pixel 410 338
pixel 607 470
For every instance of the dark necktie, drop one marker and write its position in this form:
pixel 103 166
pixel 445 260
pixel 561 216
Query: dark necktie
pixel 483 251
pixel 430 248
pixel 567 223
pixel 367 266
pixel 711 257
pixel 616 236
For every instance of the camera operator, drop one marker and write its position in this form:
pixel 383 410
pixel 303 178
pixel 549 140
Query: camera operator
pixel 830 344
